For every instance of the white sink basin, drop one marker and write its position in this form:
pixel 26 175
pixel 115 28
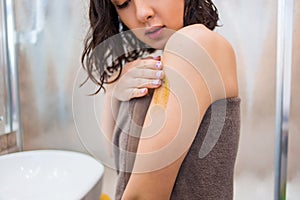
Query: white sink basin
pixel 49 174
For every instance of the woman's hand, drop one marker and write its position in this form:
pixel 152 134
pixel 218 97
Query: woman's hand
pixel 137 77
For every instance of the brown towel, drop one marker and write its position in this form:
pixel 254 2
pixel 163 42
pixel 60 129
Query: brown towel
pixel 207 178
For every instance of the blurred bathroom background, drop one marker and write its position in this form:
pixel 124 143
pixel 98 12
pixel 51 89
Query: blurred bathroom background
pixel 57 114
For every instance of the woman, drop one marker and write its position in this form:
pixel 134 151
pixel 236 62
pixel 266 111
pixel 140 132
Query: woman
pixel 180 140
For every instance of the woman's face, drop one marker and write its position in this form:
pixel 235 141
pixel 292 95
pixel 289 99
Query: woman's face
pixel 152 21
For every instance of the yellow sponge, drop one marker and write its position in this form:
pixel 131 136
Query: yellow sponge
pixel 104 197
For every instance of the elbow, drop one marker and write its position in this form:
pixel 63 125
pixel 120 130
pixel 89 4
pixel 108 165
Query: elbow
pixel 131 196
pixel 138 195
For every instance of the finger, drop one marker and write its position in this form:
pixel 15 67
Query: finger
pixel 139 92
pixel 149 64
pixel 148 73
pixel 146 83
pixel 158 58
pixel 142 83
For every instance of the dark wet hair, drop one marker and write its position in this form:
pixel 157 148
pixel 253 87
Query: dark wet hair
pixel 101 57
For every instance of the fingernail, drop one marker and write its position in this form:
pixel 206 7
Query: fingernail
pixel 156 82
pixel 158 64
pixel 143 90
pixel 156 58
pixel 158 74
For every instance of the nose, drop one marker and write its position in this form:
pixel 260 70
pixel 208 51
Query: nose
pixel 144 10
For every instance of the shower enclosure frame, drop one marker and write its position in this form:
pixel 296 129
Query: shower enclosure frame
pixel 285 28
pixel 11 117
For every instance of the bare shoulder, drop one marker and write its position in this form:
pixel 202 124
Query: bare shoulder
pixel 217 48
pixel 207 38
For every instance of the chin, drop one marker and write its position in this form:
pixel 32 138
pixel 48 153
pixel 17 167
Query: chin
pixel 157 44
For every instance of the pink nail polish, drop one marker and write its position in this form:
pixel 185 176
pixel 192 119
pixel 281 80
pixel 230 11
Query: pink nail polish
pixel 143 90
pixel 158 64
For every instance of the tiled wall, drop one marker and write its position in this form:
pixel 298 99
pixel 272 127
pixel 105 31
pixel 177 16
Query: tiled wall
pixel 8 143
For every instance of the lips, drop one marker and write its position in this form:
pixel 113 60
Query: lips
pixel 154 31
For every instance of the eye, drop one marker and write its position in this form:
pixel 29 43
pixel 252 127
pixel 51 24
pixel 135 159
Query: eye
pixel 123 5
